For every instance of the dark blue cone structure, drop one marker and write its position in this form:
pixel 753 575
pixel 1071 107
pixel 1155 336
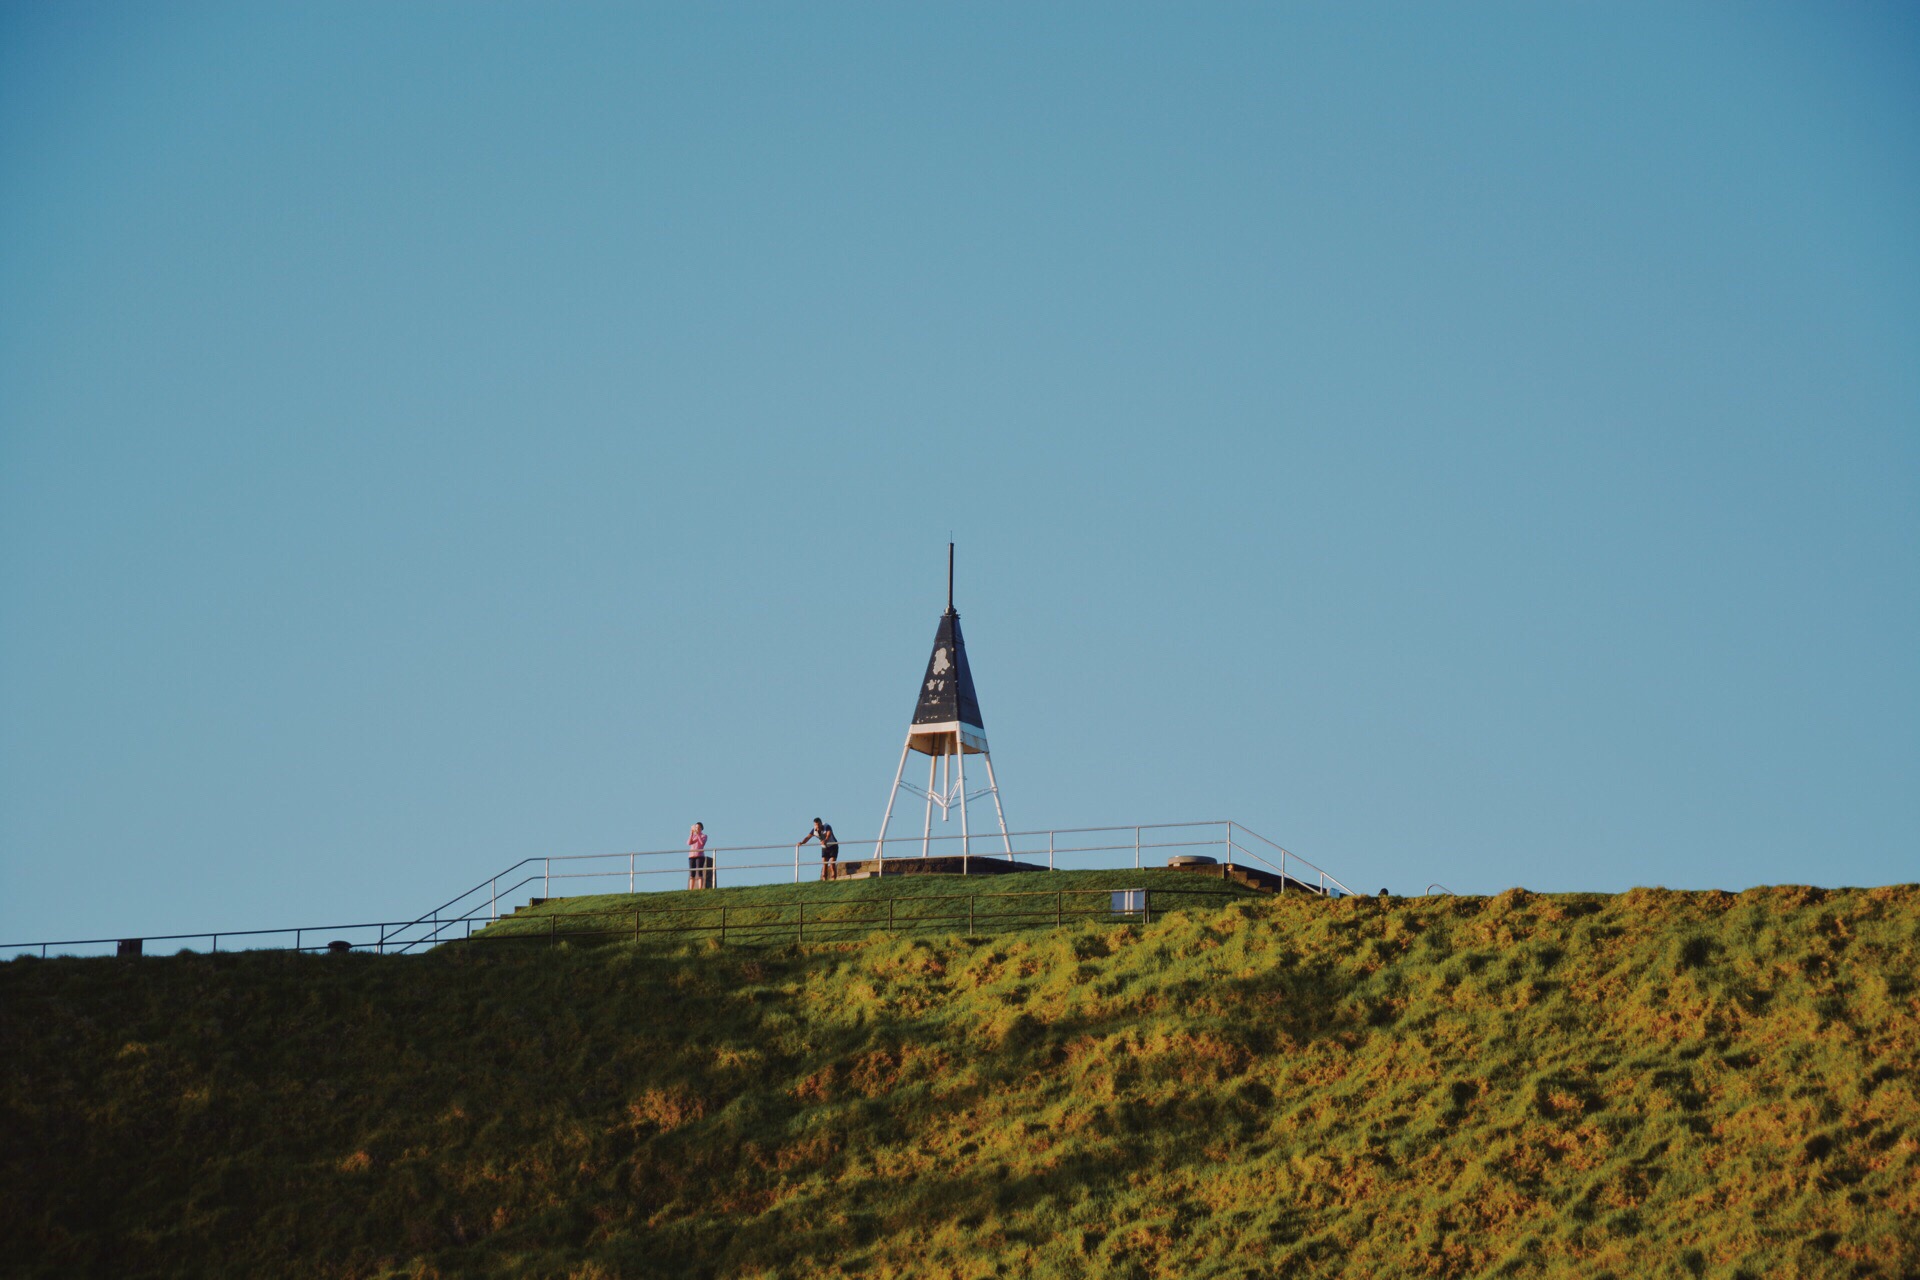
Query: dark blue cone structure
pixel 947 700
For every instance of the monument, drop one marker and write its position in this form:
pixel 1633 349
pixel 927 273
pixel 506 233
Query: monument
pixel 947 728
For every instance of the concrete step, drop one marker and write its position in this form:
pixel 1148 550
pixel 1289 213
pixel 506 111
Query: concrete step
pixel 1238 873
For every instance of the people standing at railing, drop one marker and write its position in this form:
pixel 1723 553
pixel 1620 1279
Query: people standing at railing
pixel 829 848
pixel 699 865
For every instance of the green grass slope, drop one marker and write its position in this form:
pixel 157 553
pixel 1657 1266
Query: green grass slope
pixel 1645 1085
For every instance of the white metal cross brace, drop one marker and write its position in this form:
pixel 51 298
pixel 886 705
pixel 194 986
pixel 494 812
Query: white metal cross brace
pixel 945 799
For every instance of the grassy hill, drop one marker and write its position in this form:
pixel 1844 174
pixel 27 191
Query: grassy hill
pixel 1649 1084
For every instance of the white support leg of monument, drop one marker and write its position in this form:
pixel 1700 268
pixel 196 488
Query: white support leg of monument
pixel 880 845
pixel 960 755
pixel 926 830
pixel 993 788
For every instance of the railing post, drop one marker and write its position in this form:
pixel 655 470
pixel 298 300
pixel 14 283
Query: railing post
pixel 546 877
pixel 1136 848
pixel 296 940
pixel 802 935
pixel 1049 850
pixel 889 915
pixel 1146 907
pixel 629 873
pixel 723 924
pixel 216 944
pixel 796 864
pixel 970 902
pixel 493 899
pixel 1059 908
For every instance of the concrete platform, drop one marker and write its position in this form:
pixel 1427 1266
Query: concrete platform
pixel 1251 877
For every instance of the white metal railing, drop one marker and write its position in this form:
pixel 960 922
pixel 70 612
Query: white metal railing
pixel 638 871
pixel 379 936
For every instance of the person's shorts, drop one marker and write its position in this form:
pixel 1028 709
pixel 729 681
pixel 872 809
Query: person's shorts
pixel 830 853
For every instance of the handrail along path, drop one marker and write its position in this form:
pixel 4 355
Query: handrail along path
pixel 1059 848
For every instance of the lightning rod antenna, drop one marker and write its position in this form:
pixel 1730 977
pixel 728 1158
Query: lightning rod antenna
pixel 949 577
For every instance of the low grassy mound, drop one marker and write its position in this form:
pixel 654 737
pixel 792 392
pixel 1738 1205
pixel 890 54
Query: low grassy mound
pixel 1650 1084
pixel 825 910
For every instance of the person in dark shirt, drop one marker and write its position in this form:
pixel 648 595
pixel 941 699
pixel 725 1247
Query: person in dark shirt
pixel 829 848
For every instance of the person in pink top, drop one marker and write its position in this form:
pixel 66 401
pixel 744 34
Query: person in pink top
pixel 699 865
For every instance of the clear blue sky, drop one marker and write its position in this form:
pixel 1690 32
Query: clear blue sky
pixel 1476 445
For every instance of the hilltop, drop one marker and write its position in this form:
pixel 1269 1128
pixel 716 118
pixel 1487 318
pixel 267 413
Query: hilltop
pixel 842 909
pixel 1531 1085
